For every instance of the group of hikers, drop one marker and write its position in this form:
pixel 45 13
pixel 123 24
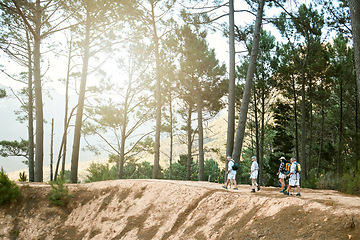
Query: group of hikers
pixel 286 170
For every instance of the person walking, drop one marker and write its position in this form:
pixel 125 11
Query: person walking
pixel 254 174
pixel 231 174
pixel 281 175
pixel 294 178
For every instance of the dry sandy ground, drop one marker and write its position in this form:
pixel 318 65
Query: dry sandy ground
pixel 159 209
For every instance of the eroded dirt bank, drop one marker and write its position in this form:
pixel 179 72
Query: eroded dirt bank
pixel 158 209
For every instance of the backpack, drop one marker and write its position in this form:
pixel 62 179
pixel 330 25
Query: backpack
pixel 298 168
pixel 286 170
pixel 235 166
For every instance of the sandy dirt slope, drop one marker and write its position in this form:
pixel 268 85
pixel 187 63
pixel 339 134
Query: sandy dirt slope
pixel 159 209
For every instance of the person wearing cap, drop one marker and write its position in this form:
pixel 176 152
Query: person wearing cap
pixel 254 174
pixel 231 174
pixel 294 178
pixel 281 174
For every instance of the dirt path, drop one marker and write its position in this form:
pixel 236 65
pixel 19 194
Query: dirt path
pixel 159 209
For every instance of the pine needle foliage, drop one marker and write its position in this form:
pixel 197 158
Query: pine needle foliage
pixel 9 191
pixel 59 194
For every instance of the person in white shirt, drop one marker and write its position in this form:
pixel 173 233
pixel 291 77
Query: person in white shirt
pixel 281 174
pixel 254 174
pixel 294 179
pixel 231 174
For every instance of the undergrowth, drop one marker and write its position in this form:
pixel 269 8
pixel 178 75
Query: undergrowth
pixel 9 191
pixel 59 194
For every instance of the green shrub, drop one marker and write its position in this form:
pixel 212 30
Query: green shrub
pixel 9 191
pixel 101 172
pixel 328 181
pixel 59 194
pixel 351 183
pixel 312 181
pixel 22 177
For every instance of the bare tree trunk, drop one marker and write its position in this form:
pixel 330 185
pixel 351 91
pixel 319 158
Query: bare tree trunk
pixel 303 125
pixel 339 158
pixel 355 25
pixel 321 138
pixel 240 133
pixel 201 137
pixel 39 147
pixel 231 101
pixel 231 107
pixel 52 149
pixel 309 164
pixel 66 109
pixel 158 95
pixel 30 110
pixel 256 126
pixel 171 137
pixel 189 143
pixel 262 136
pixel 295 119
pixel 80 109
pixel 124 124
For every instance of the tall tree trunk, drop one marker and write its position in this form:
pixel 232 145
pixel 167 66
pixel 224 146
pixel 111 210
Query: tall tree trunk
pixel 231 100
pixel 339 158
pixel 256 130
pixel 295 119
pixel 201 138
pixel 80 109
pixel 123 129
pixel 262 136
pixel 231 106
pixel 52 150
pixel 303 124
pixel 357 163
pixel 240 133
pixel 355 25
pixel 171 136
pixel 30 110
pixel 158 95
pixel 189 143
pixel 321 138
pixel 309 165
pixel 39 147
pixel 66 109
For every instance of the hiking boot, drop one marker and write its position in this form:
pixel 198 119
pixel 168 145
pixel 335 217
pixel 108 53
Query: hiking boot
pixel 258 188
pixel 282 191
pixel 236 188
pixel 298 194
pixel 224 187
pixel 286 193
pixel 252 190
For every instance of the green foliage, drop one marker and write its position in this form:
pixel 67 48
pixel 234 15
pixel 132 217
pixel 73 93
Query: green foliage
pixel 100 172
pixel 9 191
pixel 59 194
pixel 179 169
pixel 132 170
pixel 212 171
pixel 14 148
pixel 22 177
pixel 2 93
pixel 328 181
pixel 142 170
pixel 350 182
pixel 312 180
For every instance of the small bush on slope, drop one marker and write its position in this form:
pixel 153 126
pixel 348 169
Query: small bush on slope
pixel 9 191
